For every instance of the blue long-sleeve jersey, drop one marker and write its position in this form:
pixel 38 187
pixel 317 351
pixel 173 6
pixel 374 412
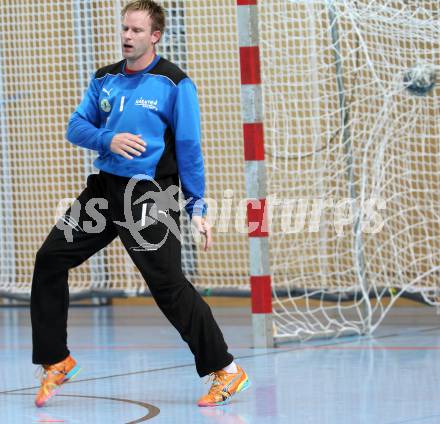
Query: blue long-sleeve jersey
pixel 159 103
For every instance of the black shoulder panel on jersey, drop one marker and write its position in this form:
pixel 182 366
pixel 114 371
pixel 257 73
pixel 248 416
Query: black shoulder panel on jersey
pixel 168 69
pixel 114 68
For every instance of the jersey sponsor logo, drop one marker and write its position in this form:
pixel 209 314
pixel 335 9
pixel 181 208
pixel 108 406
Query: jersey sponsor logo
pixel 105 105
pixel 147 104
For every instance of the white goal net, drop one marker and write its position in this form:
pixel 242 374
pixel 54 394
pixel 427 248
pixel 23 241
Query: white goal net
pixel 351 138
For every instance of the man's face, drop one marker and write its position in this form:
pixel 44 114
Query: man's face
pixel 137 40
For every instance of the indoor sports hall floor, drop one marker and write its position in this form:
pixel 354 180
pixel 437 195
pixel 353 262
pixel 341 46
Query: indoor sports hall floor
pixel 136 369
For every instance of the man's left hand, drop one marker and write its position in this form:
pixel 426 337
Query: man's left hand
pixel 204 228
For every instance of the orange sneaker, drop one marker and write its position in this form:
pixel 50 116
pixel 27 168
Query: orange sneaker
pixel 53 377
pixel 224 386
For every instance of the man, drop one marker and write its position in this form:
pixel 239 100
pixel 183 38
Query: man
pixel 141 115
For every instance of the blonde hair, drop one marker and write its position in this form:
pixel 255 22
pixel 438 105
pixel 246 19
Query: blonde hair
pixel 154 10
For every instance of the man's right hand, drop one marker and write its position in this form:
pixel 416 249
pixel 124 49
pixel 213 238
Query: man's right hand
pixel 125 143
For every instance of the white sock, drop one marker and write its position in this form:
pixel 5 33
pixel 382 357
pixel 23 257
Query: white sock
pixel 231 368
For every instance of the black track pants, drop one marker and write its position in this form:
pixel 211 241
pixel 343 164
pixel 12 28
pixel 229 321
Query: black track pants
pixel 160 267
